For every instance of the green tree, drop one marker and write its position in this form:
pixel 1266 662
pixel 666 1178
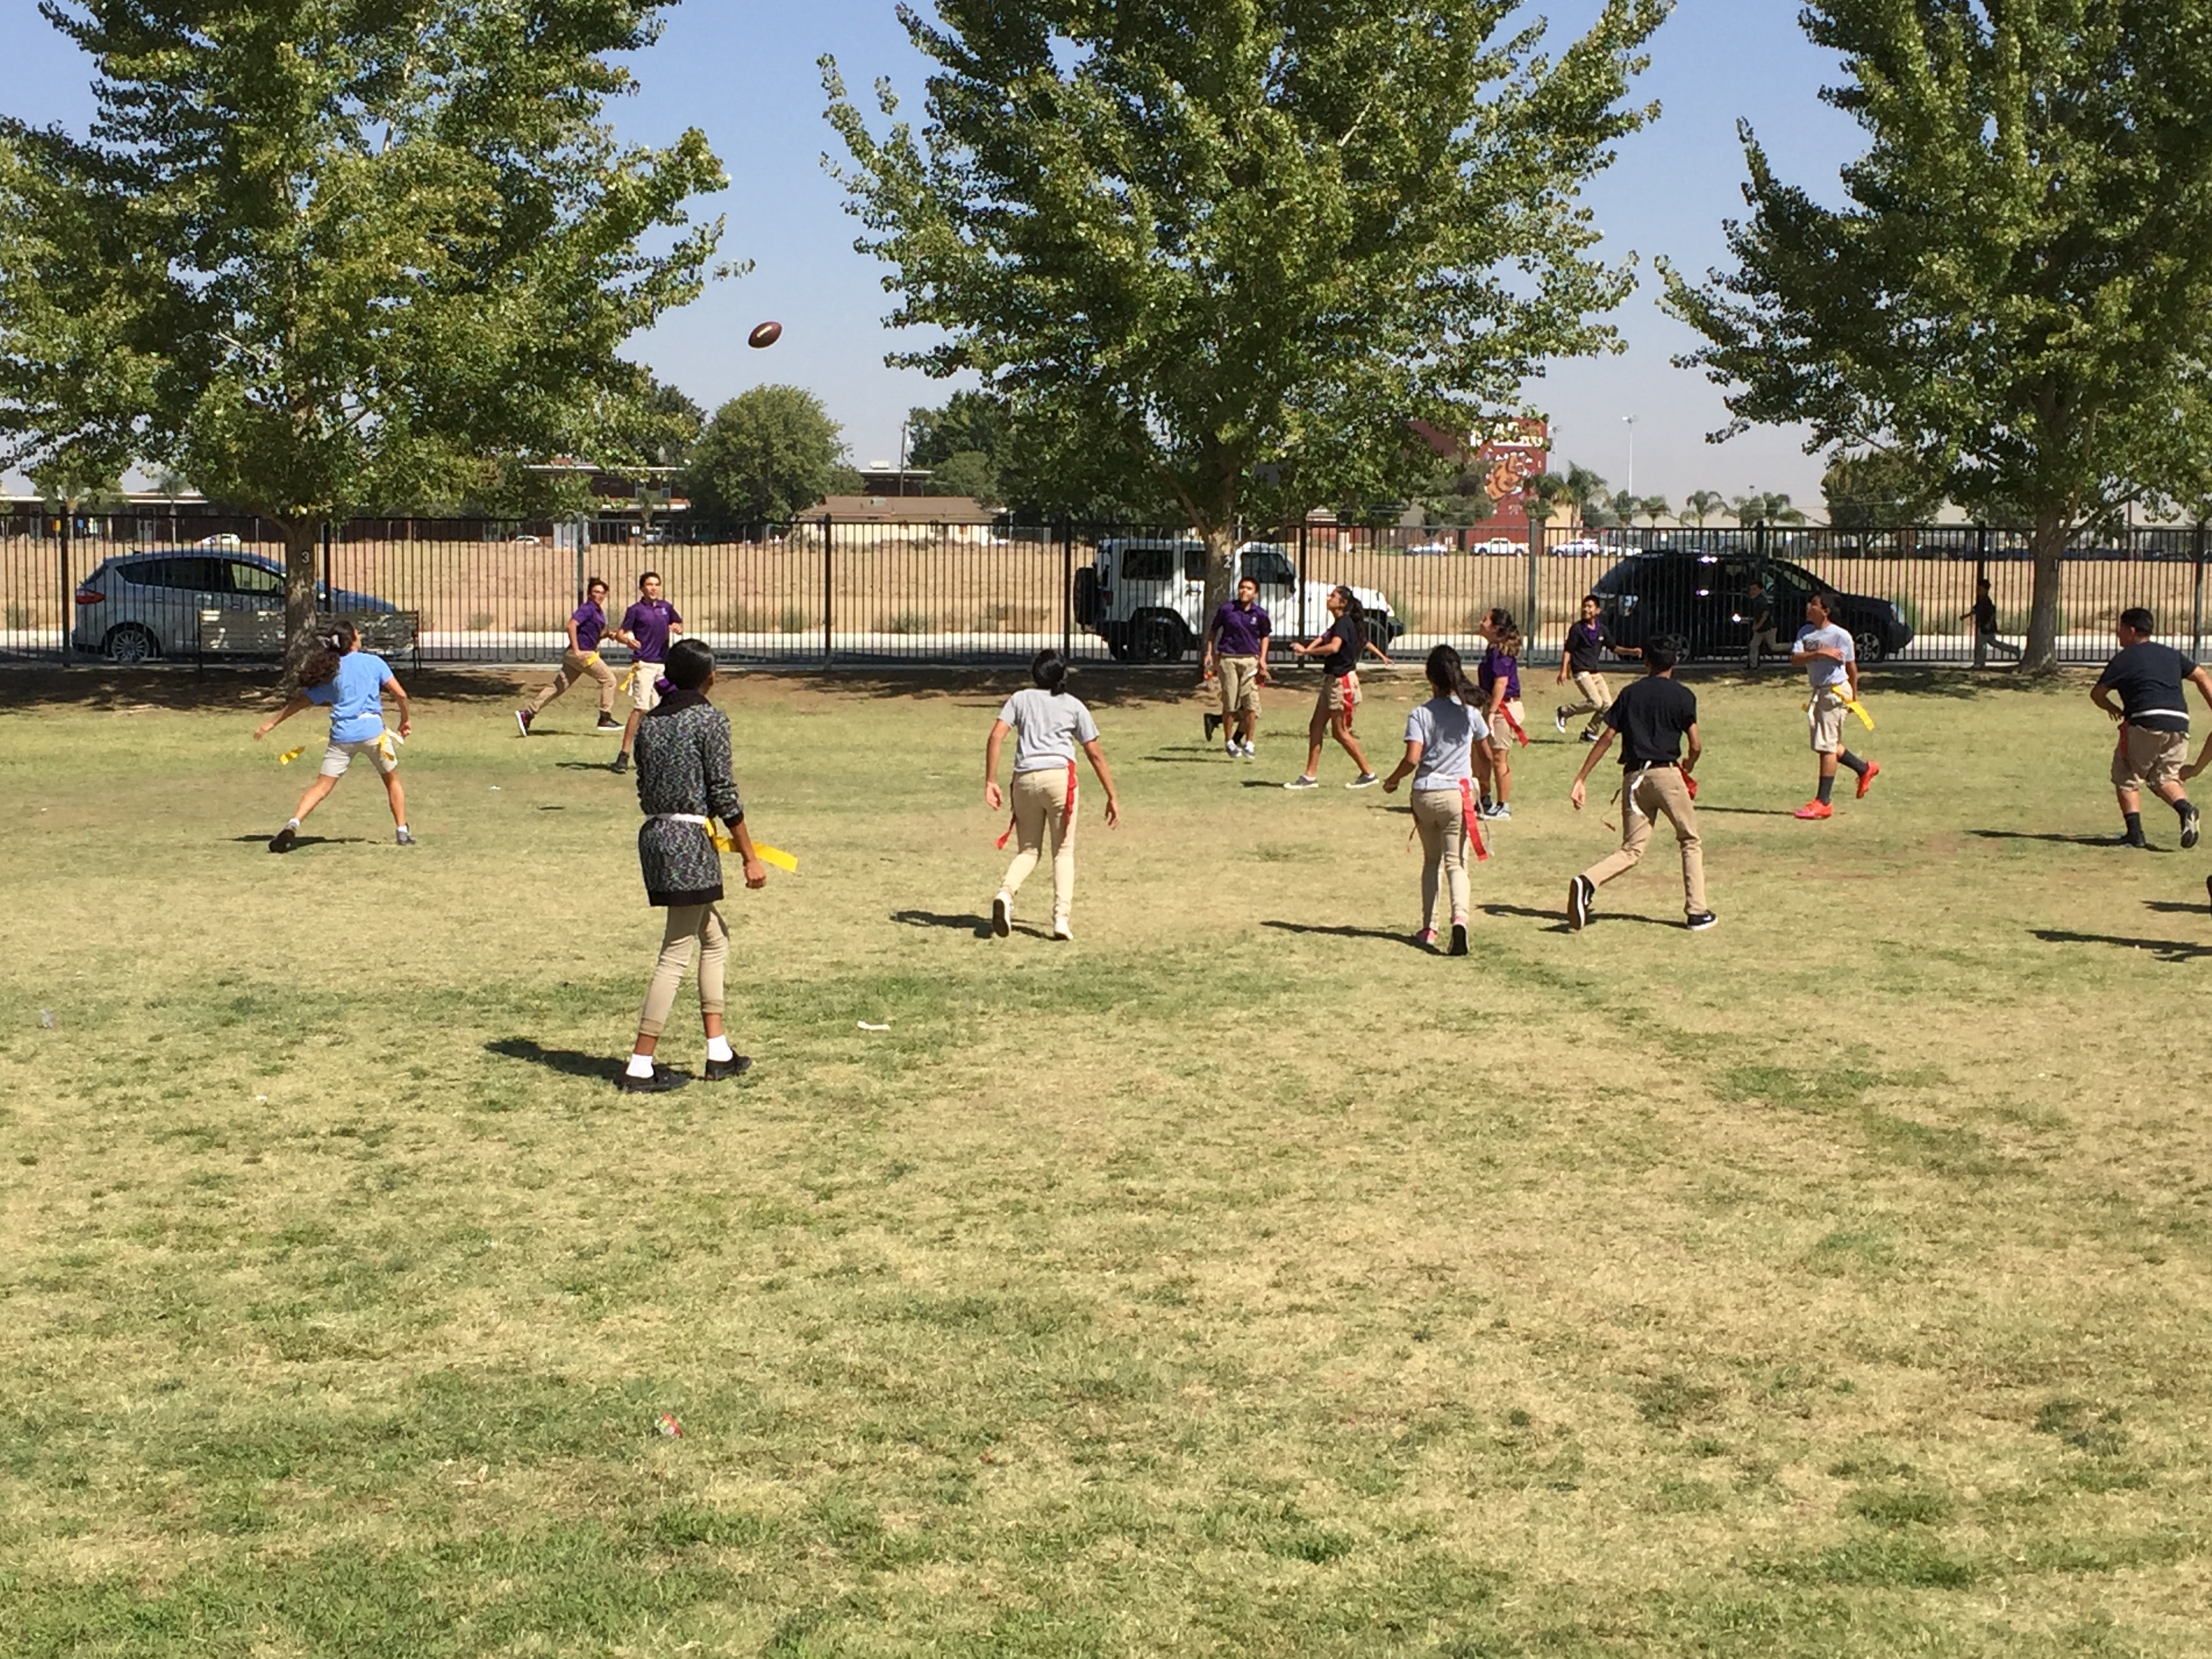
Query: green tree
pixel 967 472
pixel 1759 506
pixel 318 255
pixel 1700 505
pixel 974 421
pixel 1878 491
pixel 2016 293
pixel 767 456
pixel 1588 493
pixel 1194 240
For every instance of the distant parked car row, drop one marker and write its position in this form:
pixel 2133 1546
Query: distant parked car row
pixel 143 605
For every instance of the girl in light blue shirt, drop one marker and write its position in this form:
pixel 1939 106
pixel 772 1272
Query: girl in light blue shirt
pixel 352 684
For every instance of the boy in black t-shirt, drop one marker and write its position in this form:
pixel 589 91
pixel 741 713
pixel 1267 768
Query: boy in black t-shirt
pixel 1651 719
pixel 2152 712
pixel 1587 641
pixel 1984 618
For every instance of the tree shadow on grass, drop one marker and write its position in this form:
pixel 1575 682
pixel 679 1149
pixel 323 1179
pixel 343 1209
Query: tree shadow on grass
pixel 2166 949
pixel 2057 840
pixel 1388 935
pixel 570 1062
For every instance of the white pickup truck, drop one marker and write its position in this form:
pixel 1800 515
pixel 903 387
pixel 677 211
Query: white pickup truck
pixel 1145 596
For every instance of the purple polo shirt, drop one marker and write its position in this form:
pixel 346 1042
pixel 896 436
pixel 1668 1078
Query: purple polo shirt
pixel 647 622
pixel 1240 633
pixel 1495 666
pixel 591 626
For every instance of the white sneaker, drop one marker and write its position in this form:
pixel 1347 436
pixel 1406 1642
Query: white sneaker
pixel 1060 929
pixel 1363 780
pixel 1303 782
pixel 1230 749
pixel 1559 720
pixel 1249 751
pixel 1002 915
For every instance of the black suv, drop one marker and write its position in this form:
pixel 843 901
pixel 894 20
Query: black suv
pixel 1706 598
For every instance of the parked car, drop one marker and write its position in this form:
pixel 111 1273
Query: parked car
pixel 147 604
pixel 1144 596
pixel 1706 599
pixel 1581 547
pixel 1500 547
pixel 226 539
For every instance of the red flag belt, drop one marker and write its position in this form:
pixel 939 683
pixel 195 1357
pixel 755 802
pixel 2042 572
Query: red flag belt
pixel 1067 811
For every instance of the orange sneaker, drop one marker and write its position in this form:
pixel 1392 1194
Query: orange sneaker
pixel 1867 778
pixel 1816 809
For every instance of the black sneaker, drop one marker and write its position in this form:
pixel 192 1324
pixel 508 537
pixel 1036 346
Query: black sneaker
pixel 1580 892
pixel 663 1081
pixel 1458 940
pixel 1704 922
pixel 1002 915
pixel 2189 823
pixel 609 723
pixel 620 764
pixel 283 840
pixel 522 718
pixel 737 1065
pixel 1212 725
pixel 2208 890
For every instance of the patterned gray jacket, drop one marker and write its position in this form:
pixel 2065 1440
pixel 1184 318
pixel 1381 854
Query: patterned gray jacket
pixel 684 767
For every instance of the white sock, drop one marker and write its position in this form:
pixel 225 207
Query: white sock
pixel 718 1048
pixel 641 1066
pixel 291 824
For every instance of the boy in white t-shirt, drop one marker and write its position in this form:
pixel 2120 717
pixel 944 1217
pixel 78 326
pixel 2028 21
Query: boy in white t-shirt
pixel 1827 654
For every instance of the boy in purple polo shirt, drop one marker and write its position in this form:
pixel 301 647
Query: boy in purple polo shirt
pixel 1237 650
pixel 587 625
pixel 646 627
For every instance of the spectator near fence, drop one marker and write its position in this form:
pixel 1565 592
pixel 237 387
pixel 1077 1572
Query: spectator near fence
pixel 1984 618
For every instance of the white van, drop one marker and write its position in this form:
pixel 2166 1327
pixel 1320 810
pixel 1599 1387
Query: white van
pixel 1146 597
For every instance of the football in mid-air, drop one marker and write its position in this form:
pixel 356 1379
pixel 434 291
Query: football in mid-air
pixel 765 336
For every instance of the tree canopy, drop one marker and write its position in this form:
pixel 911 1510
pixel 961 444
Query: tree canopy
pixel 767 456
pixel 1878 491
pixel 1191 240
pixel 2017 292
pixel 316 256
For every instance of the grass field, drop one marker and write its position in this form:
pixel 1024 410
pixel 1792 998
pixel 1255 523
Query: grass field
pixel 1237 1280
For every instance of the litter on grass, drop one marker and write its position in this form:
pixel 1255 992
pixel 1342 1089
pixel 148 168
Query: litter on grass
pixel 670 1428
pixel 866 1027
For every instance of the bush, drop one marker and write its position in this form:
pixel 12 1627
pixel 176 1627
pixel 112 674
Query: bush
pixel 794 621
pixel 480 622
pixel 908 621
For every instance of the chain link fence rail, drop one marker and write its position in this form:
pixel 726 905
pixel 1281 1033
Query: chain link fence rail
pixel 825 593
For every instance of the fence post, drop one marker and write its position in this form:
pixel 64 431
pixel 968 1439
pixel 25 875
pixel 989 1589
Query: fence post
pixel 828 570
pixel 69 588
pixel 1066 592
pixel 330 577
pixel 2196 611
pixel 1302 579
pixel 1528 626
pixel 1981 575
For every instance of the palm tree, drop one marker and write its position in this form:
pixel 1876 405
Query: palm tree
pixel 1653 508
pixel 1701 504
pixel 1587 491
pixel 1759 506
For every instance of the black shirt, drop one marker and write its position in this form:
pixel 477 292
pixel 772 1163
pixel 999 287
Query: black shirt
pixel 1584 641
pixel 1651 716
pixel 1985 614
pixel 1350 641
pixel 2148 677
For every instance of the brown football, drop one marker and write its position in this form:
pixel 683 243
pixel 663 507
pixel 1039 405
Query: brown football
pixel 765 336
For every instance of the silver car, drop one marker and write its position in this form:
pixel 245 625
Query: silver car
pixel 143 605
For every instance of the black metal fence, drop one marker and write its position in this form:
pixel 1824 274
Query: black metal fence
pixel 822 591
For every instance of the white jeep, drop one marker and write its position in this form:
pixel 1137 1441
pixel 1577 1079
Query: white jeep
pixel 1146 597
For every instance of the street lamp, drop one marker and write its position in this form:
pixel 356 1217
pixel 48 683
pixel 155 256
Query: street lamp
pixel 1629 420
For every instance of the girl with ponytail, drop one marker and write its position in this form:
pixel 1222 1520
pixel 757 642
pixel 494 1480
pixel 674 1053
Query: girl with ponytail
pixel 1498 681
pixel 1340 646
pixel 1048 726
pixel 352 683
pixel 1445 754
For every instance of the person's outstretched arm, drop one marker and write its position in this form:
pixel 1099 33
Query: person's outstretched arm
pixel 1414 750
pixel 1096 750
pixel 992 745
pixel 297 705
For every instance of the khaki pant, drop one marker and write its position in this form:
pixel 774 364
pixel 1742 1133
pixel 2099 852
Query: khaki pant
pixel 1040 811
pixel 579 666
pixel 1443 825
pixel 1597 697
pixel 690 927
pixel 2145 759
pixel 1767 640
pixel 1649 793
pixel 1240 686
pixel 644 686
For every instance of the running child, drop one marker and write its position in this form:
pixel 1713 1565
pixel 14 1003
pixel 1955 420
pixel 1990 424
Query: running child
pixel 587 625
pixel 1048 727
pixel 1444 753
pixel 1236 651
pixel 1984 618
pixel 1587 640
pixel 2149 679
pixel 684 784
pixel 646 627
pixel 1340 646
pixel 1831 660
pixel 350 683
pixel 1498 680
pixel 1651 718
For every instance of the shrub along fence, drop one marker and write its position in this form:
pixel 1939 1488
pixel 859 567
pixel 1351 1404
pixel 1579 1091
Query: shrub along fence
pixel 825 593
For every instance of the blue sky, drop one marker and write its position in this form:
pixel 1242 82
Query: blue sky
pixel 744 72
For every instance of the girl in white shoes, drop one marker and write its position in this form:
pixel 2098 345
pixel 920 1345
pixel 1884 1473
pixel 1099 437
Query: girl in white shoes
pixel 1340 646
pixel 1048 726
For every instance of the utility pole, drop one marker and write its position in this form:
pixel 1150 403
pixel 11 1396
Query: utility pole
pixel 1629 420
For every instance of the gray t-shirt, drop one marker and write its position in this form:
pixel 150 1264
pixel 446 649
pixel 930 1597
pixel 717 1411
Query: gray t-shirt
pixel 1446 730
pixel 1825 673
pixel 1048 729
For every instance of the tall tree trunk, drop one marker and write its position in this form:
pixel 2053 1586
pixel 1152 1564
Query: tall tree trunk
pixel 302 541
pixel 1220 571
pixel 2053 526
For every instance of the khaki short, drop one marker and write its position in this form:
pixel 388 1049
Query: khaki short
pixel 339 757
pixel 1826 717
pixel 643 696
pixel 1501 738
pixel 1341 697
pixel 2145 759
pixel 1240 686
